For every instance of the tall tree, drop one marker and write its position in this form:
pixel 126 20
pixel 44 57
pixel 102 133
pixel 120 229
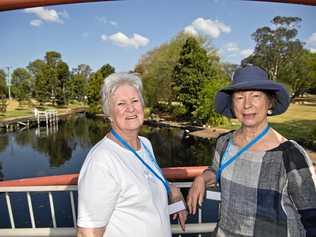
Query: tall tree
pixel 301 73
pixel 21 84
pixel 50 76
pixel 77 85
pixel 190 74
pixel 52 58
pixel 94 87
pixel 156 69
pixel 63 75
pixel 276 48
pixel 40 73
pixel 310 61
pixel 3 84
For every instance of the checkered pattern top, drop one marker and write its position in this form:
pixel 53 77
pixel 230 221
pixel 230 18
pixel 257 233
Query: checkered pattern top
pixel 271 193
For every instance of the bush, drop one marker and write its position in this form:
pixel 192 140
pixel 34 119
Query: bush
pixel 205 112
pixel 179 111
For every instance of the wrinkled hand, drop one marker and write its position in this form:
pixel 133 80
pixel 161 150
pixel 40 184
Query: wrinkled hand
pixel 176 196
pixel 182 217
pixel 196 194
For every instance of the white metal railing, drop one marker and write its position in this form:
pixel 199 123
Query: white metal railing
pixel 197 228
pixel 49 116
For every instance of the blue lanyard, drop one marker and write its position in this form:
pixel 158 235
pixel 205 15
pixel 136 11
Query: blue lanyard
pixel 160 177
pixel 224 165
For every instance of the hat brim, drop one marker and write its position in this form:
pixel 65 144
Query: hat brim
pixel 223 100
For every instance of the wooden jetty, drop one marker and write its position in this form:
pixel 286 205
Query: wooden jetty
pixel 47 118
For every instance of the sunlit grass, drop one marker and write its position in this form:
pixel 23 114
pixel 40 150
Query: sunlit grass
pixel 18 110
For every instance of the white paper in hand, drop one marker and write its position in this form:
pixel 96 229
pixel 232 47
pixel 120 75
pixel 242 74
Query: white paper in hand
pixel 213 195
pixel 176 207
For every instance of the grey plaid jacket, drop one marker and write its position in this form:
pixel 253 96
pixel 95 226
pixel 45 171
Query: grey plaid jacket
pixel 266 194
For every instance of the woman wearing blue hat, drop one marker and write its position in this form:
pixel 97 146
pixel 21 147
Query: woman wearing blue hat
pixel 267 183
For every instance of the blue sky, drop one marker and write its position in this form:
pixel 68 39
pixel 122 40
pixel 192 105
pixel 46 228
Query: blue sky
pixel 120 32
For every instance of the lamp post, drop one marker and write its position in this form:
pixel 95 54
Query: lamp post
pixel 9 80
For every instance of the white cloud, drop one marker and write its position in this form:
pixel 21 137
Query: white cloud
pixel 207 27
pixel 232 47
pixel 232 50
pixel 45 14
pixel 122 40
pixel 246 52
pixel 104 37
pixel 113 23
pixel 64 14
pixel 36 22
pixel 190 30
pixel 313 50
pixel 311 42
pixel 104 20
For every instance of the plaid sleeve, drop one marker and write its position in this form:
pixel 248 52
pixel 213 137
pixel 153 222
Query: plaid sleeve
pixel 302 186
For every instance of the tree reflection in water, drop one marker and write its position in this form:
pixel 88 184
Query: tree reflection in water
pixel 4 141
pixel 62 150
pixel 174 148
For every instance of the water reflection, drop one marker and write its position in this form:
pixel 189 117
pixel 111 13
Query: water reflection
pixel 61 150
pixel 3 145
pixel 174 148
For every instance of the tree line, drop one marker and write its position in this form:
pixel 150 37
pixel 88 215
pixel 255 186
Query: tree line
pixel 180 77
pixel 50 80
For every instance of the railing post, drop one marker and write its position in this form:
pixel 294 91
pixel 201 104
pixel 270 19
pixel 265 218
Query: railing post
pixel 29 202
pixel 7 197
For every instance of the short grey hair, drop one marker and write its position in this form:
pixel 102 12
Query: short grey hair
pixel 115 80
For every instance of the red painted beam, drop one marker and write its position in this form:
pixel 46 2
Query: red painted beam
pixel 304 2
pixel 6 5
pixel 183 173
pixel 67 179
pixel 171 173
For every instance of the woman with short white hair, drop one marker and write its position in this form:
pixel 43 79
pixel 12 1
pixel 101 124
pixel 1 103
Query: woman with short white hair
pixel 121 189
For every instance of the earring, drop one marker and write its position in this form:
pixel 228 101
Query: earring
pixel 269 112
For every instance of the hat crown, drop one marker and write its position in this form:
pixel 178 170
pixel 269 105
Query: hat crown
pixel 249 73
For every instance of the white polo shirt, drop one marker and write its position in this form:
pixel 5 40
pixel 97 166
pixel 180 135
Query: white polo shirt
pixel 117 191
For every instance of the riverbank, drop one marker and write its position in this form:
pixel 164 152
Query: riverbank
pixel 16 122
pixel 295 112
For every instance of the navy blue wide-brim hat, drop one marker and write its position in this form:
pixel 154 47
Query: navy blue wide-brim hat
pixel 251 78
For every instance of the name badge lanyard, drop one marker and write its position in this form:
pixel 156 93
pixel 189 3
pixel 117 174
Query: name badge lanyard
pixel 160 177
pixel 223 165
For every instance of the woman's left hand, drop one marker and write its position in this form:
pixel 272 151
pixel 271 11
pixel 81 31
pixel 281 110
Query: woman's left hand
pixel 182 216
pixel 176 196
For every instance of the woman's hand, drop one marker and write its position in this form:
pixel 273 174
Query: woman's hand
pixel 182 216
pixel 176 196
pixel 196 194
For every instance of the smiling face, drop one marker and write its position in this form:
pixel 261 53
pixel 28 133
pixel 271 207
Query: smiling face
pixel 251 107
pixel 127 112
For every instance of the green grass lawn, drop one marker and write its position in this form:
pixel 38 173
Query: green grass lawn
pixel 16 110
pixel 298 123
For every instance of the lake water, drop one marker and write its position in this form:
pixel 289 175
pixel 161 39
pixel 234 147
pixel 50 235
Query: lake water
pixel 61 150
